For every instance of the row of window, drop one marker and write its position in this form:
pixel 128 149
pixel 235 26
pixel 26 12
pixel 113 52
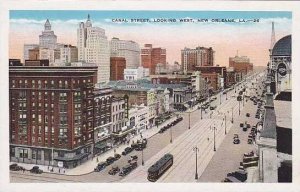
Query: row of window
pixel 45 83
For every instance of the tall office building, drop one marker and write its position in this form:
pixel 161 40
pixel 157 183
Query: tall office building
pixel 241 64
pixel 93 47
pixel 152 56
pixel 48 39
pixel 28 47
pixel 130 50
pixel 198 57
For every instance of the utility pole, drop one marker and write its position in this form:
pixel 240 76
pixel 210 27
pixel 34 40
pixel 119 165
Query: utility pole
pixel 225 125
pixel 196 150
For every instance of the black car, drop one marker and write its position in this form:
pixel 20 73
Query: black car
pixel 100 166
pixel 125 170
pixel 236 141
pixel 241 125
pixel 16 167
pixel 127 150
pixel 247 114
pixel 117 156
pixel 240 175
pixel 110 160
pixel 36 170
pixel 114 170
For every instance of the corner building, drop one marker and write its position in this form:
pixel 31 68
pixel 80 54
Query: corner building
pixel 51 114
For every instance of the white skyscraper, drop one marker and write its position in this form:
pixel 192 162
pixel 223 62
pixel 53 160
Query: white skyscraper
pixel 130 50
pixel 48 39
pixel 93 47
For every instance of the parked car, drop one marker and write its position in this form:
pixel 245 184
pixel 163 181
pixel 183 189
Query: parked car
pixel 250 141
pixel 36 170
pixel 248 125
pixel 241 125
pixel 114 170
pixel 16 167
pixel 117 156
pixel 110 160
pixel 100 166
pixel 127 150
pixel 125 170
pixel 240 175
pixel 247 114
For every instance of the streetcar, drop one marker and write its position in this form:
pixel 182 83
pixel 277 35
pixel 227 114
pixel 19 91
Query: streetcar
pixel 161 166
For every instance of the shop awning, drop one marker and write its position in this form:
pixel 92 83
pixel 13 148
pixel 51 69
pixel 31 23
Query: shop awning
pixel 120 134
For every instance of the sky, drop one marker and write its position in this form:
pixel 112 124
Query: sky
pixel 228 39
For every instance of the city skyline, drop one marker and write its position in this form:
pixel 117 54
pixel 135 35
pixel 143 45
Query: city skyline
pixel 224 38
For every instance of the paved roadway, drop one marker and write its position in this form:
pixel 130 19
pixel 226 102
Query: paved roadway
pixel 183 142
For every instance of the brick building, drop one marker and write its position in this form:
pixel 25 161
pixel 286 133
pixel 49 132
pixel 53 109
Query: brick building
pixel 150 57
pixel 200 56
pixel 51 114
pixel 212 80
pixel 241 64
pixel 215 69
pixel 117 66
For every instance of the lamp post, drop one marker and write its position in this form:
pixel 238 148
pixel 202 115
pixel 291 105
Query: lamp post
pixel 225 124
pixel 143 156
pixel 189 120
pixel 201 112
pixel 171 135
pixel 232 115
pixel 226 96
pixel 214 129
pixel 196 150
pixel 220 98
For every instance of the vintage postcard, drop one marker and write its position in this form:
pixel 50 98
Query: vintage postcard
pixel 150 96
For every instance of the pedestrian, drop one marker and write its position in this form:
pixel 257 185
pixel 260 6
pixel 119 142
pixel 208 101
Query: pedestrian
pixel 97 160
pixel 207 138
pixel 23 170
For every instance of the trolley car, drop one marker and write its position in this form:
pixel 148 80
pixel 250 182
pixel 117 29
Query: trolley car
pixel 161 166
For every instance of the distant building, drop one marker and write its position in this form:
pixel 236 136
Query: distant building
pixel 53 55
pixel 241 64
pixel 51 114
pixel 135 74
pixel 93 47
pixel 15 62
pixel 117 67
pixel 68 54
pixel 28 47
pixel 215 69
pixel 39 62
pixel 152 56
pixel 47 39
pixel 34 54
pixel 130 50
pixel 198 57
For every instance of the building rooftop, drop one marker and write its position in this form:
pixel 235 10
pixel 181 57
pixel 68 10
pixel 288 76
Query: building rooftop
pixel 283 47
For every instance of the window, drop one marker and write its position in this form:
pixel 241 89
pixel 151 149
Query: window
pixel 33 129
pixel 39 118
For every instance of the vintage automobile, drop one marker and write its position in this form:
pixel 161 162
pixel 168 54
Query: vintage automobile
pixel 236 141
pixel 125 170
pixel 36 170
pixel 127 150
pixel 114 170
pixel 110 160
pixel 117 156
pixel 100 166
pixel 16 167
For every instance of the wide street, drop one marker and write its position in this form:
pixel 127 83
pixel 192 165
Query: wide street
pixel 184 139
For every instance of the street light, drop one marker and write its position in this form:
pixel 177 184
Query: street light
pixel 171 135
pixel 189 120
pixel 142 155
pixel 225 123
pixel 220 98
pixel 214 129
pixel 201 111
pixel 196 150
pixel 232 115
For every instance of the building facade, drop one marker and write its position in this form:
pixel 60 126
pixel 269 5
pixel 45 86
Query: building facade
pixel 198 57
pixel 117 67
pixel 68 54
pixel 129 50
pixel 241 64
pixel 150 57
pixel 93 47
pixel 48 122
pixel 28 47
pixel 47 39
pixel 135 74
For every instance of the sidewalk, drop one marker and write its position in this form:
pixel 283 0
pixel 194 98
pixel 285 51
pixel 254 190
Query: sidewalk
pixel 89 165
